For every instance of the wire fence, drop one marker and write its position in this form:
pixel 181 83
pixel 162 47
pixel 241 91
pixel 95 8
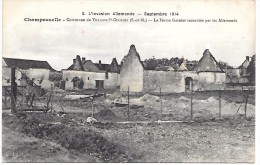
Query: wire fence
pixel 187 106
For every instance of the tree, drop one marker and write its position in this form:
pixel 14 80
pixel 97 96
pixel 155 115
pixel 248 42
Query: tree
pixel 224 65
pixel 150 64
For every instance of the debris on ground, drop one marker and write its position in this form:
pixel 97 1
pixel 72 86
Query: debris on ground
pixel 148 97
pixel 115 95
pixel 106 115
pixel 212 99
pixel 184 98
pixel 91 120
pixel 73 138
pixel 75 97
pixel 120 102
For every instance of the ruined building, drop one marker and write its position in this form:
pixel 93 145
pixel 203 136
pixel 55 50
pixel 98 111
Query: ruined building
pixel 84 74
pixel 207 75
pixel 37 71
pixel 131 75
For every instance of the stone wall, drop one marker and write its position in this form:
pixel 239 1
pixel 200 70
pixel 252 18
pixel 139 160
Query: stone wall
pixel 113 81
pixel 174 82
pixel 89 79
pixel 6 76
pixel 211 80
pixel 169 82
pixel 131 74
pixel 40 76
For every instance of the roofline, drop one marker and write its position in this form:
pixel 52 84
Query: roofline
pixel 31 61
pixel 211 71
pixel 83 71
pixel 24 59
pixel 221 70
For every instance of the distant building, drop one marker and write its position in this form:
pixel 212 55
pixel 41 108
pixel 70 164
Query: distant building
pixel 182 67
pixel 204 74
pixel 36 71
pixel 239 75
pixel 84 74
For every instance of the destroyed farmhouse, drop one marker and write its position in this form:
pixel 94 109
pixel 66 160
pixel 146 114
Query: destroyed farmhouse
pixel 38 72
pixel 130 74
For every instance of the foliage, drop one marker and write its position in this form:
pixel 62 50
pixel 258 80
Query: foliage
pixel 152 63
pixel 224 65
pixel 55 76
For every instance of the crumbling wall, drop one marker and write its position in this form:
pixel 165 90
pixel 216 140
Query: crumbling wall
pixel 46 84
pixel 38 74
pixel 207 63
pixel 89 79
pixel 174 82
pixel 6 76
pixel 169 82
pixel 236 76
pixel 41 77
pixel 113 81
pixel 131 74
pixel 195 77
pixel 211 80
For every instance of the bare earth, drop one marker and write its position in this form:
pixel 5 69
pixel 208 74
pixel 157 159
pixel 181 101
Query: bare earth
pixel 36 137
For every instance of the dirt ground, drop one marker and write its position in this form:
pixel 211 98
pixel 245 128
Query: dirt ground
pixel 64 135
pixel 149 107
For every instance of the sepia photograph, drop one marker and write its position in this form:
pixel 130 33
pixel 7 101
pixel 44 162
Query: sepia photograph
pixel 113 81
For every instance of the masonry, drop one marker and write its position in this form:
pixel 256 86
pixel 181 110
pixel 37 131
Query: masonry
pixel 84 74
pixel 206 76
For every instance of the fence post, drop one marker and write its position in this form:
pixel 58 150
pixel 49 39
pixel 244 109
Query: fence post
pixel 51 97
pixel 128 104
pixel 219 103
pixel 13 91
pixel 161 100
pixel 246 101
pixel 191 99
pixel 5 102
pixel 92 107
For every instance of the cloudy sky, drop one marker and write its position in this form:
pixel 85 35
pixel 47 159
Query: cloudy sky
pixel 60 42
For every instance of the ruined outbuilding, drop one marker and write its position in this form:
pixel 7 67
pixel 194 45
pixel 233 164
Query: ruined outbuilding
pixel 132 72
pixel 131 75
pixel 84 74
pixel 238 75
pixel 207 75
pixel 37 71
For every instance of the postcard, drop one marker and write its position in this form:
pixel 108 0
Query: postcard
pixel 128 81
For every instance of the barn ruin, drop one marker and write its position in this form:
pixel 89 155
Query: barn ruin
pixel 207 75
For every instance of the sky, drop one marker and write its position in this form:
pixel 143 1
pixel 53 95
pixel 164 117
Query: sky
pixel 60 42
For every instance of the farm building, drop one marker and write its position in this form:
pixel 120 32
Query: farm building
pixel 37 71
pixel 240 74
pixel 84 74
pixel 132 72
pixel 207 75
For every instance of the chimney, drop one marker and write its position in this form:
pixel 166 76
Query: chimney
pixel 74 61
pixel 83 59
pixel 99 62
pixel 247 58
